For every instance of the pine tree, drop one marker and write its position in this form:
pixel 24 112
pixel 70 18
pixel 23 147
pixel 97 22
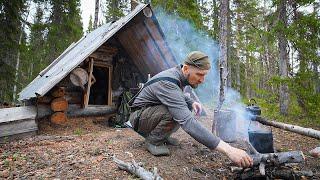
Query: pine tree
pixel 90 25
pixel 10 30
pixel 37 45
pixel 64 27
pixel 115 9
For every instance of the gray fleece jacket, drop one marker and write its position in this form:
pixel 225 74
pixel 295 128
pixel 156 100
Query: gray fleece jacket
pixel 179 105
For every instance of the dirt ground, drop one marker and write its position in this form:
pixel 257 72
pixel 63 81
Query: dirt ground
pixel 83 149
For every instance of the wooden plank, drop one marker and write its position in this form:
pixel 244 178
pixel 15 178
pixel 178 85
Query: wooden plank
pixel 142 49
pixel 12 114
pixel 109 86
pixel 87 93
pixel 18 127
pixel 148 44
pixel 130 46
pixel 101 64
pixel 163 46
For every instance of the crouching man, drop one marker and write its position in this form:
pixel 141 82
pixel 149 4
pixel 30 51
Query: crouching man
pixel 161 108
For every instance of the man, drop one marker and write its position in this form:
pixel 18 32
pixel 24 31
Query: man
pixel 162 108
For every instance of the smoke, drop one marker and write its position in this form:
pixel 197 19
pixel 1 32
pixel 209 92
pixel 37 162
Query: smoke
pixel 182 37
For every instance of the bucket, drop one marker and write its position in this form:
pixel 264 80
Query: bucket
pixel 224 125
pixel 262 141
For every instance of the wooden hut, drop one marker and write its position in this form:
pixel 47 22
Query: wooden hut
pixel 88 77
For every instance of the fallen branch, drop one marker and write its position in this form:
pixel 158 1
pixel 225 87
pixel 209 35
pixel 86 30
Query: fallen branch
pixel 136 169
pixel 296 129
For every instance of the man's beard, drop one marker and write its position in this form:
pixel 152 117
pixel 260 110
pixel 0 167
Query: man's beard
pixel 194 86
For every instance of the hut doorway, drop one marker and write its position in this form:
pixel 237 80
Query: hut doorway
pixel 100 91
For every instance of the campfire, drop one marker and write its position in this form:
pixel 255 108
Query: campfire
pixel 258 141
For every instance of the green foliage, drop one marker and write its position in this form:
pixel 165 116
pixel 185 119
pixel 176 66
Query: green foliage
pixel 185 9
pixel 10 31
pixel 115 10
pixel 64 28
pixel 90 25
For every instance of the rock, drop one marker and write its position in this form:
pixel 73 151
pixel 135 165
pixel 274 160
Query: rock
pixel 315 152
pixel 4 173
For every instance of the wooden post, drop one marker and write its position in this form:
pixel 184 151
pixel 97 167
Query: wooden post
pixel 109 86
pixel 87 93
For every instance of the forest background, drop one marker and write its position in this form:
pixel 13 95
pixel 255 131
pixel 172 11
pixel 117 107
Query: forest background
pixel 271 48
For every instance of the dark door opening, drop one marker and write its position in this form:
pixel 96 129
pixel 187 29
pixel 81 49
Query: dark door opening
pixel 99 90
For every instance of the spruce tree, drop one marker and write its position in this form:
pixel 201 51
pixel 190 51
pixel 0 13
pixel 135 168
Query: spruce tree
pixel 64 26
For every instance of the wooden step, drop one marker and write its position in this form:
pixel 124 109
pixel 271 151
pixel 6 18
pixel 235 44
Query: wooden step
pixel 18 120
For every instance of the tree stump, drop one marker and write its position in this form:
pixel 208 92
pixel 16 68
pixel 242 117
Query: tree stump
pixel 58 118
pixel 59 104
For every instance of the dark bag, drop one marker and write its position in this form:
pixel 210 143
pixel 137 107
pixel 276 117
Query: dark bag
pixel 127 98
pixel 124 109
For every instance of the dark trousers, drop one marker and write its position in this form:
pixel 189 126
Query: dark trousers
pixel 155 124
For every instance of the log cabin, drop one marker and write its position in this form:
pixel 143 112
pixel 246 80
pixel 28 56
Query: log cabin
pixel 90 75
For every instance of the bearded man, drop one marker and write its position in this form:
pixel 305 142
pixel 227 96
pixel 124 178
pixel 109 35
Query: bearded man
pixel 161 108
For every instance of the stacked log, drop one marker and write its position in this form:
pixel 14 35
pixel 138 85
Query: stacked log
pixel 59 106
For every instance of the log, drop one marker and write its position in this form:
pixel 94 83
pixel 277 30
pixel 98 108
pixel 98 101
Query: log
pixel 58 118
pixel 44 99
pixel 315 152
pixel 18 120
pixel 276 174
pixel 58 92
pixel 276 159
pixel 73 97
pixel 79 77
pixel 92 110
pixel 136 169
pixel 75 110
pixel 59 104
pixel 289 127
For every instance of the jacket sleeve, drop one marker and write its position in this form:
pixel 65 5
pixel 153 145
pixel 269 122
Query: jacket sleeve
pixel 171 96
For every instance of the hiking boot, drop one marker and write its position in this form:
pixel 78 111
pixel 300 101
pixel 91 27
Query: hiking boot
pixel 172 141
pixel 160 150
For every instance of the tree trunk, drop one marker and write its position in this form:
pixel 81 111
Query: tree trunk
pixel 223 56
pixel 96 14
pixel 239 27
pixel 283 59
pixel 288 127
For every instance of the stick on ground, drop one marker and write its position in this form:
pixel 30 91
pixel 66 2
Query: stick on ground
pixel 137 170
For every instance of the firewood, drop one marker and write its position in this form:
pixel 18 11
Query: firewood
pixel 276 159
pixel 59 104
pixel 137 170
pixel 58 92
pixel 288 127
pixel 58 118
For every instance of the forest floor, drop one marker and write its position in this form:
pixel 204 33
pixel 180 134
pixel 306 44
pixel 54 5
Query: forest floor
pixel 83 148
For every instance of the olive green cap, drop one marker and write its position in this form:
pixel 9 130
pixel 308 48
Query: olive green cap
pixel 198 59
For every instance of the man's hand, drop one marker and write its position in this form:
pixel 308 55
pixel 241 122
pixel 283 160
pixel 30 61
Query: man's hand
pixel 197 108
pixel 238 156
